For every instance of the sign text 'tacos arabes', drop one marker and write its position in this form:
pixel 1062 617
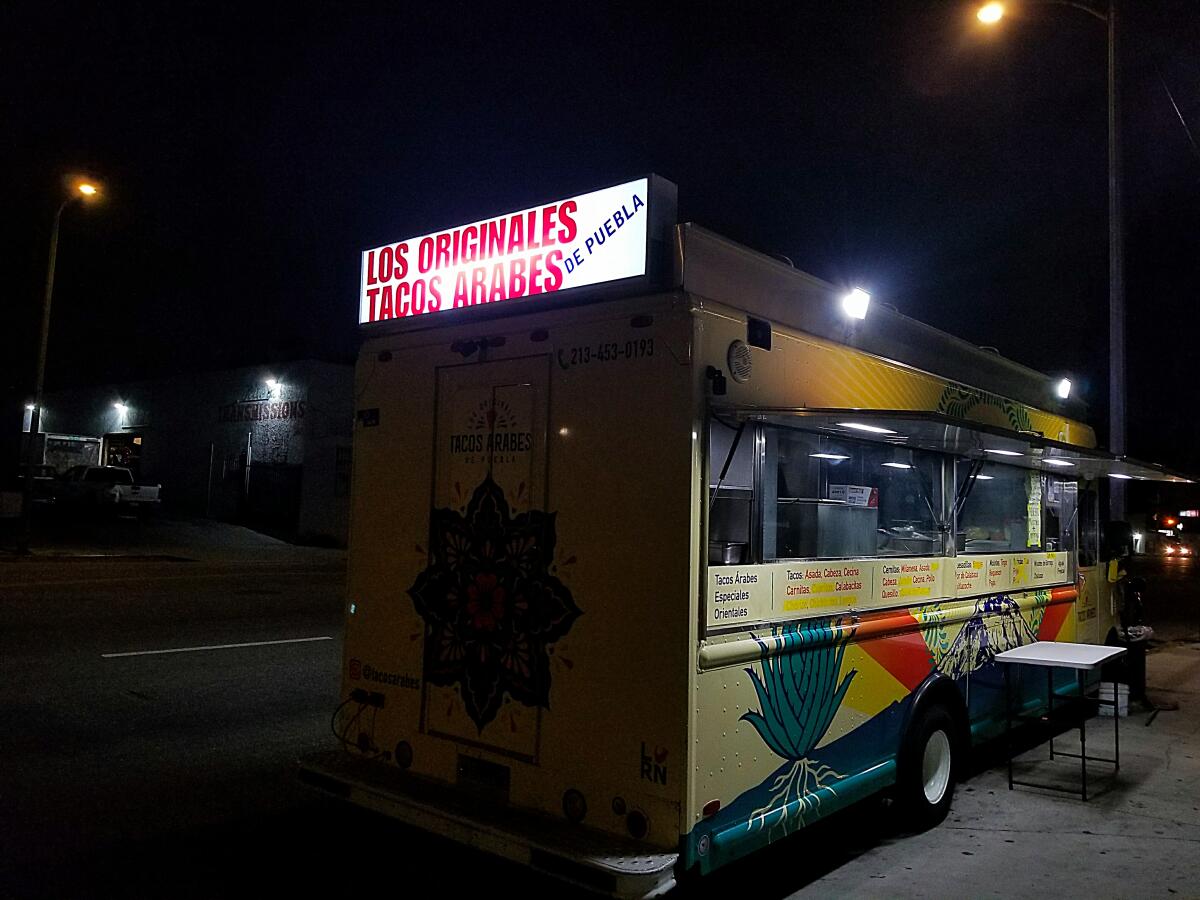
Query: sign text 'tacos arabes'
pixel 569 243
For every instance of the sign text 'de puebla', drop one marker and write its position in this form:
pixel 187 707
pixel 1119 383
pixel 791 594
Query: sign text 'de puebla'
pixel 584 240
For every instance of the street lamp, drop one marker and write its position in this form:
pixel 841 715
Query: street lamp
pixel 81 190
pixel 990 14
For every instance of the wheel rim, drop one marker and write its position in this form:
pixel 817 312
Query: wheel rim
pixel 935 767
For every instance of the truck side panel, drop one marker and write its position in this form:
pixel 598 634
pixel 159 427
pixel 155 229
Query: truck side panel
pixel 519 577
pixel 793 720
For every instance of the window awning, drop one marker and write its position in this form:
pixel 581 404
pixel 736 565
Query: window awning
pixel 970 440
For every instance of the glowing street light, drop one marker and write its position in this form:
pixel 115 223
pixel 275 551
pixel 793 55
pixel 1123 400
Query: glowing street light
pixel 856 303
pixel 1063 388
pixel 990 13
pixel 85 190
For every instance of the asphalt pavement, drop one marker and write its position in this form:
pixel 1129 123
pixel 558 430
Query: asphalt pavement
pixel 104 753
pixel 156 690
pixel 1172 595
pixel 127 771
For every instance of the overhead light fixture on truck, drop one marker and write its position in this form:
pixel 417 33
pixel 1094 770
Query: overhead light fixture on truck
pixel 856 303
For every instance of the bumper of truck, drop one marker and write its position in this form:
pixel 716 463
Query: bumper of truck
pixel 584 857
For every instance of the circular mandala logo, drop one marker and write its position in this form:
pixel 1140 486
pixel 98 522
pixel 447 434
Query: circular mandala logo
pixel 490 605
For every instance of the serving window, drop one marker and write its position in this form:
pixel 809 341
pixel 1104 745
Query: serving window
pixel 783 493
pixel 730 492
pixel 1006 509
pixel 995 516
pixel 780 493
pixel 825 498
pixel 806 517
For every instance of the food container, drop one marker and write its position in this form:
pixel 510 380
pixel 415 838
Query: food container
pixel 726 553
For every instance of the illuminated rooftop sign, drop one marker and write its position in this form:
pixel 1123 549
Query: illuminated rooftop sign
pixel 521 256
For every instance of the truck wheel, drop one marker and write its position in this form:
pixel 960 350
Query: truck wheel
pixel 927 766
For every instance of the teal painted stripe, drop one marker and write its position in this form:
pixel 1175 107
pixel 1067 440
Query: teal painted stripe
pixel 740 839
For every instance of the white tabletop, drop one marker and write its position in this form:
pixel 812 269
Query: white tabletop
pixel 1060 653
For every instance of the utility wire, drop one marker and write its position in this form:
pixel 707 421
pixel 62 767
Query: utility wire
pixel 1175 106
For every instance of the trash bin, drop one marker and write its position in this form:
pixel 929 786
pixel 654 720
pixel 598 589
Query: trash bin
pixel 1134 635
pixel 1135 639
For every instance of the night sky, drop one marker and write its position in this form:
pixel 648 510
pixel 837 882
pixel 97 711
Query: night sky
pixel 249 154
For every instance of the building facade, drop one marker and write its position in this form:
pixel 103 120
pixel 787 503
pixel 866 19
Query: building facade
pixel 268 447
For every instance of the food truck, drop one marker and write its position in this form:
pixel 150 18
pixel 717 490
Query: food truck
pixel 658 556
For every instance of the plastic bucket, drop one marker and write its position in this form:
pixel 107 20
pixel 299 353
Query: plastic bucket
pixel 1106 694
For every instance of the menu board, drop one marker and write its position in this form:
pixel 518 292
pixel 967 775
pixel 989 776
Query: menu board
pixel 1021 565
pixel 968 575
pixel 744 595
pixel 1047 569
pixel 997 573
pixel 908 580
pixel 982 575
pixel 739 594
pixel 821 587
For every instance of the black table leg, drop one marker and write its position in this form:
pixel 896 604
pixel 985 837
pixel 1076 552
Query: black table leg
pixel 1008 723
pixel 1082 735
pixel 1050 706
pixel 1116 728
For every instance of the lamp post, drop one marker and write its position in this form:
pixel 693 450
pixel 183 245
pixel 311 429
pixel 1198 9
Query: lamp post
pixel 990 14
pixel 84 190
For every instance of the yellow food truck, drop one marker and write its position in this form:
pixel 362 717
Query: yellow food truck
pixel 658 556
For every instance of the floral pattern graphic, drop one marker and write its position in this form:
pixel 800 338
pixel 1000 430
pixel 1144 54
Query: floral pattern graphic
pixel 490 605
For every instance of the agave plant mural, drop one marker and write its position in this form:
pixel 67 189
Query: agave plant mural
pixel 798 695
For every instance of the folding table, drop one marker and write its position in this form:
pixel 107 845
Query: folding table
pixel 1051 655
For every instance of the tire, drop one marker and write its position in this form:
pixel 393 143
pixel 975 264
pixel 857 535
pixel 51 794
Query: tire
pixel 928 764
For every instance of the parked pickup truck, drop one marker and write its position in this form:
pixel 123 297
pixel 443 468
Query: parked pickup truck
pixel 108 486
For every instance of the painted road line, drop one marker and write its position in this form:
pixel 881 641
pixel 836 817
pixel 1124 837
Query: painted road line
pixel 147 579
pixel 215 647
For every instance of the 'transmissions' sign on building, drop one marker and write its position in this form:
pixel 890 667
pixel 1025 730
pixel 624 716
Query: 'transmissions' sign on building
pixel 604 236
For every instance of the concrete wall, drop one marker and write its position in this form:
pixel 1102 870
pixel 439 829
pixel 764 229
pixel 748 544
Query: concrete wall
pixel 195 431
pixel 329 425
